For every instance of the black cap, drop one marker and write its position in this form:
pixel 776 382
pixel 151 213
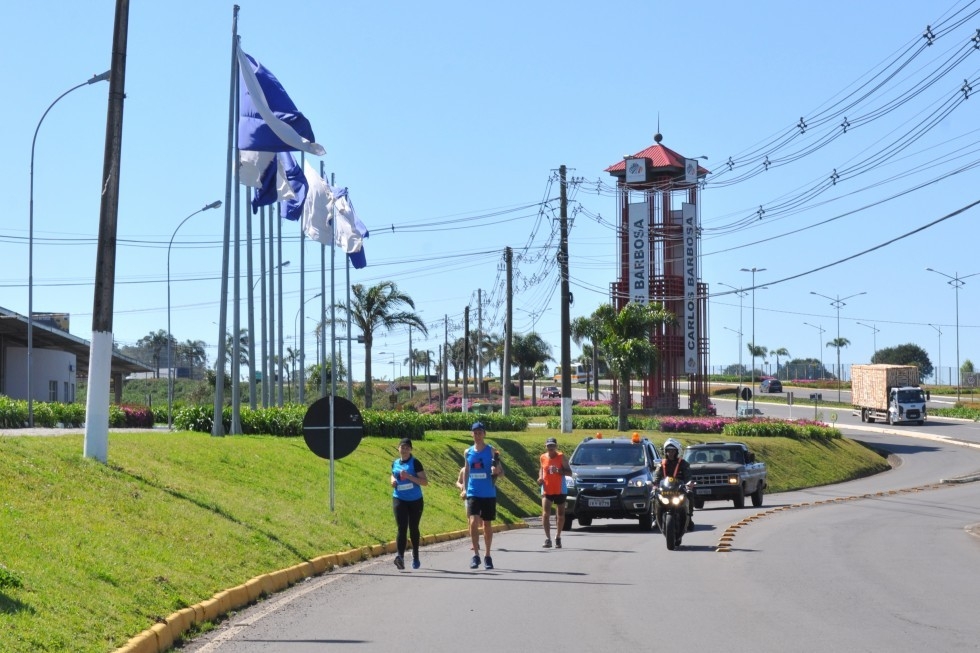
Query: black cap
pixel 407 441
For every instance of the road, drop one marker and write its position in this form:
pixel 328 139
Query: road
pixel 877 572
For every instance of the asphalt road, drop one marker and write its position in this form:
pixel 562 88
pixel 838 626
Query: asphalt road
pixel 839 567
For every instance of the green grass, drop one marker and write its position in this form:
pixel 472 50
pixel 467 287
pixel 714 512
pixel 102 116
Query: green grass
pixel 93 554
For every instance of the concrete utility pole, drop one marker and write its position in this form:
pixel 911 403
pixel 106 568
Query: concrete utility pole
pixel 100 356
pixel 508 330
pixel 466 356
pixel 566 329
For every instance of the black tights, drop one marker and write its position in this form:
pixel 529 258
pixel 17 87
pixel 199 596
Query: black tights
pixel 408 514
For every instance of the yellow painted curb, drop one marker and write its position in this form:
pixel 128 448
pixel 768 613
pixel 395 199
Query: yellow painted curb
pixel 162 632
pixel 145 642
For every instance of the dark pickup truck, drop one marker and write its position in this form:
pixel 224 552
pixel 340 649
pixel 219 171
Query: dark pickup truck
pixel 725 471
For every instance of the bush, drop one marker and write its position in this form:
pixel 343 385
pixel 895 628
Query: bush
pixel 13 413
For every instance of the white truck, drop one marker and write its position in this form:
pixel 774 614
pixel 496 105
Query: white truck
pixel 889 393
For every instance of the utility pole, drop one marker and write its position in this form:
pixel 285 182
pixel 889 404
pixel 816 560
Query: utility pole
pixel 445 360
pixel 411 363
pixel 566 330
pixel 466 356
pixel 100 359
pixel 508 330
pixel 479 340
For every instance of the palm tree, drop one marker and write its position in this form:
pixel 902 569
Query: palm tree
pixel 379 308
pixel 757 352
pixel 528 351
pixel 588 327
pixel 455 358
pixel 156 343
pixel 625 340
pixel 493 350
pixel 195 353
pixel 782 351
pixel 292 355
pixel 242 348
pixel 838 344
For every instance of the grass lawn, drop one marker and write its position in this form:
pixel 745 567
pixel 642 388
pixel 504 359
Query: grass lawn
pixel 93 554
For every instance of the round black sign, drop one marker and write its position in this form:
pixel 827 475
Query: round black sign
pixel 348 428
pixel 746 393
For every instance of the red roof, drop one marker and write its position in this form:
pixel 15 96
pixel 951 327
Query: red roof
pixel 660 156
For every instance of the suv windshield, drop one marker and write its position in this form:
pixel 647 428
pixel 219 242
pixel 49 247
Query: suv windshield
pixel 630 455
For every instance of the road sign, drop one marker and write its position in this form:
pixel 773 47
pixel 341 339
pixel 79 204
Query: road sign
pixel 746 394
pixel 816 396
pixel 348 427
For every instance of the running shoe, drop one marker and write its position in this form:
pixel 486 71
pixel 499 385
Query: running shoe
pixel 475 562
pixel 557 542
pixel 487 562
pixel 415 563
pixel 399 562
pixel 547 543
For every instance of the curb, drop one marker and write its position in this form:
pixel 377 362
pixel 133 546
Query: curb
pixel 160 637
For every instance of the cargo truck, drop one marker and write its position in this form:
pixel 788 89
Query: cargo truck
pixel 889 393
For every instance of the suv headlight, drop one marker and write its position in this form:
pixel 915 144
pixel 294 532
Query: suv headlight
pixel 639 481
pixel 570 482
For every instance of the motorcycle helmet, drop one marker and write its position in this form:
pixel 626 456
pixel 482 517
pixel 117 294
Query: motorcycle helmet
pixel 671 442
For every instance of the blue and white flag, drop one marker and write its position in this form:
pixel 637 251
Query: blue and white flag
pixel 316 209
pixel 351 232
pixel 282 180
pixel 268 120
pixel 326 208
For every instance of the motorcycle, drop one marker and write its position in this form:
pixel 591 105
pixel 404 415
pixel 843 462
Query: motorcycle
pixel 672 510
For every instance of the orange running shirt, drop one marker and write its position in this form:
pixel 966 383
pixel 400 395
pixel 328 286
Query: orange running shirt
pixel 553 472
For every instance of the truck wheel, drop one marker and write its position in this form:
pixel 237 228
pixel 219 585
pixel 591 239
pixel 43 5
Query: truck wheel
pixel 584 521
pixel 646 522
pixel 670 531
pixel 757 495
pixel 740 499
pixel 888 418
pixel 864 415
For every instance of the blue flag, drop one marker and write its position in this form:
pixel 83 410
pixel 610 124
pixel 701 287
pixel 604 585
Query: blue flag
pixel 268 120
pixel 282 180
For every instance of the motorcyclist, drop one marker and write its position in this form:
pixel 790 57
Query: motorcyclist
pixel 673 465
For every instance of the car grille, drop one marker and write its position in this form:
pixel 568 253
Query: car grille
pixel 712 479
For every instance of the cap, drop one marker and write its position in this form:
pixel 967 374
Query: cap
pixel 407 441
pixel 478 425
pixel 551 441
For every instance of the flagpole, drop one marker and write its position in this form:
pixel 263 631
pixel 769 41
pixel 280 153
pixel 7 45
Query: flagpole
pixel 265 309
pixel 249 272
pixel 236 329
pixel 323 314
pixel 333 340
pixel 301 390
pixel 279 295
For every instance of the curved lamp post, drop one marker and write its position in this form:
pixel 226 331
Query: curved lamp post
pixel 170 372
pixel 820 332
pixel 874 338
pixel 838 302
pixel 939 365
pixel 956 281
pixel 30 248
pixel 753 271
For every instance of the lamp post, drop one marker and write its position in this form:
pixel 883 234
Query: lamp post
pixel 299 390
pixel 753 271
pixel 956 281
pixel 30 247
pixel 874 338
pixel 741 292
pixel 820 332
pixel 739 334
pixel 170 366
pixel 838 302
pixel 284 264
pixel 939 365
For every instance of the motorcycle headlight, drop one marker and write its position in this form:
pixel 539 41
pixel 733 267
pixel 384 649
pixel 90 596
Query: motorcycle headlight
pixel 664 500
pixel 676 500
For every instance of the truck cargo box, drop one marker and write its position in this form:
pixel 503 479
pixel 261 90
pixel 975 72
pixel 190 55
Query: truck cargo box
pixel 870 383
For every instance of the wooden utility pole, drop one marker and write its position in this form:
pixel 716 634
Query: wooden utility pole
pixel 566 329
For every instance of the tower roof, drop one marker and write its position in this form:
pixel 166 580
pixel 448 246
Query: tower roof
pixel 661 158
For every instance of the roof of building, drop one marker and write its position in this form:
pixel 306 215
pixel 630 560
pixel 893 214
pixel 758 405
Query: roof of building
pixel 13 331
pixel 661 158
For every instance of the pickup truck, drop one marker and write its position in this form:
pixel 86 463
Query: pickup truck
pixel 725 471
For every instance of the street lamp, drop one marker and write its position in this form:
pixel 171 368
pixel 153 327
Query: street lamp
pixel 284 264
pixel 296 340
pixel 820 332
pixel 741 292
pixel 739 334
pixel 939 366
pixel 874 338
pixel 837 302
pixel 956 281
pixel 30 248
pixel 170 371
pixel 753 271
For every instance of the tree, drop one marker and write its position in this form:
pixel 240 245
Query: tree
pixel 966 369
pixel 194 353
pixel 757 352
pixel 626 342
pixel 907 354
pixel 455 356
pixel 292 355
pixel 528 351
pixel 805 368
pixel 313 376
pixel 156 344
pixel 838 344
pixel 782 351
pixel 589 327
pixel 379 308
pixel 242 348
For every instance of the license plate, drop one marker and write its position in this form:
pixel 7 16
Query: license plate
pixel 702 490
pixel 599 503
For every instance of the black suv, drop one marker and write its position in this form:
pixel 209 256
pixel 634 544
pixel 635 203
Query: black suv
pixel 770 385
pixel 612 478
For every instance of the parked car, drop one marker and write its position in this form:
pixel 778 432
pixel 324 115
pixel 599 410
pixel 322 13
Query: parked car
pixel 748 412
pixel 550 392
pixel 770 385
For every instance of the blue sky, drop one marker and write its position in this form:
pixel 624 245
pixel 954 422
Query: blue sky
pixel 447 122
